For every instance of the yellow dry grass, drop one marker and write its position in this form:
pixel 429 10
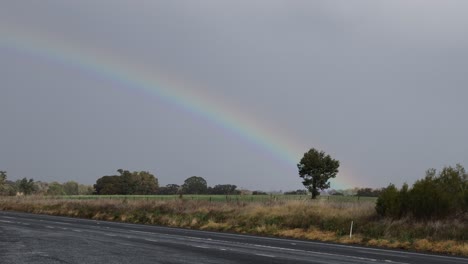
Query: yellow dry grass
pixel 316 220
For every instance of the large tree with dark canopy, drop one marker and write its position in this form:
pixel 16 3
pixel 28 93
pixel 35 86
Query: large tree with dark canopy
pixel 316 168
pixel 224 189
pixel 195 185
pixel 137 182
pixel 169 189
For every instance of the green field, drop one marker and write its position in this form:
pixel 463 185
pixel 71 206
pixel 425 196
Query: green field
pixel 216 198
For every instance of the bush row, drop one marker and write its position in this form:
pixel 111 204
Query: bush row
pixel 436 196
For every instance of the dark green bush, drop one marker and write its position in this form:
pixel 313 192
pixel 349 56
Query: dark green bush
pixel 388 203
pixel 434 197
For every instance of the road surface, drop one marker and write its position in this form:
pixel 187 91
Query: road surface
pixel 30 238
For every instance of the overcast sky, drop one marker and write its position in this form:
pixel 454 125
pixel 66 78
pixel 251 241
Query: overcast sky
pixel 379 85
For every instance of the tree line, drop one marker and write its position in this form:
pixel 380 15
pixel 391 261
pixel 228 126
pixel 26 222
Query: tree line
pixel 123 183
pixel 27 186
pixel 315 168
pixel 438 195
pixel 145 183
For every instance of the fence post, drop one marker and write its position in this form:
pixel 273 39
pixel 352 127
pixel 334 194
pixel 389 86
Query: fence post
pixel 351 230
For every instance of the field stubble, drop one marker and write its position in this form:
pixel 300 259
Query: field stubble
pixel 325 220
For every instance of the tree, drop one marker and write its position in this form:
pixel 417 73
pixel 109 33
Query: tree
pixel 368 192
pixel 109 185
pixel 225 189
pixel 85 189
pixel 388 203
pixel 3 177
pixel 70 188
pixel 55 188
pixel 41 187
pixel 3 185
pixel 127 182
pixel 195 185
pixel 453 182
pixel 9 188
pixel 144 183
pixel 169 189
pixel 316 169
pixel 296 192
pixel 438 196
pixel 26 186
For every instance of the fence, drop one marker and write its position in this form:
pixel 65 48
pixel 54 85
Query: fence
pixel 216 198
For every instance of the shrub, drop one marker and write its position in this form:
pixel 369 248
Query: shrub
pixel 427 200
pixel 388 203
pixel 434 197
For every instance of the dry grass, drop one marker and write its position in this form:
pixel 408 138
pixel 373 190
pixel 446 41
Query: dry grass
pixel 317 220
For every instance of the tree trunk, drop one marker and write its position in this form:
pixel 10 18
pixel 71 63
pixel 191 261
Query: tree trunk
pixel 314 195
pixel 314 191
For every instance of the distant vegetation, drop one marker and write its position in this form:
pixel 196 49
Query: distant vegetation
pixel 315 168
pixel 127 182
pixel 296 192
pixel 145 183
pixel 369 192
pixel 169 189
pixel 124 183
pixel 27 186
pixel 430 215
pixel 436 196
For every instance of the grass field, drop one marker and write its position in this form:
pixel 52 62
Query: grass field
pixel 326 219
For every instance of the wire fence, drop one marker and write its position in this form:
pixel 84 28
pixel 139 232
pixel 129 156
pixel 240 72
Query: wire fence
pixel 215 198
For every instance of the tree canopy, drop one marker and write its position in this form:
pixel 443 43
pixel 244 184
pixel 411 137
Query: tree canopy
pixel 71 188
pixel 137 182
pixel 7 187
pixel 195 185
pixel 225 189
pixel 26 186
pixel 55 188
pixel 316 168
pixel 3 177
pixel 169 189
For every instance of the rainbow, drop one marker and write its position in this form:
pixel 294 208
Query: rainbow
pixel 166 87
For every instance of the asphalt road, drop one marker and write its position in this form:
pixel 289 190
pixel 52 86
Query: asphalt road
pixel 30 238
